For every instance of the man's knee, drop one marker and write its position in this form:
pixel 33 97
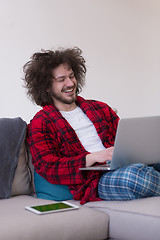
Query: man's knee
pixel 131 182
pixel 142 180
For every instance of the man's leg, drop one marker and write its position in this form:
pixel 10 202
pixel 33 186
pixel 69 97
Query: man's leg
pixel 131 182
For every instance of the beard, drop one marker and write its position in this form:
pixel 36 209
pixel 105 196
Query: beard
pixel 60 98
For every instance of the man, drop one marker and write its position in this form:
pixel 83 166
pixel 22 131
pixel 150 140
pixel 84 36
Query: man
pixel 71 132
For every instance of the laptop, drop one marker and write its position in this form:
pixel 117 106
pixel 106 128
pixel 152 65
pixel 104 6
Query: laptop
pixel 137 141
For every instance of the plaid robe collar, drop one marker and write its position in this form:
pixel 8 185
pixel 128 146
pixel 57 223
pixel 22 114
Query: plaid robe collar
pixel 63 128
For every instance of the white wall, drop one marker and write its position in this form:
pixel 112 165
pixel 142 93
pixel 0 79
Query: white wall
pixel 120 40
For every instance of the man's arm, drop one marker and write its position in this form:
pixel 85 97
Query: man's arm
pixel 47 159
pixel 112 120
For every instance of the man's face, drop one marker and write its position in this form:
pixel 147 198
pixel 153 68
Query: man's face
pixel 64 88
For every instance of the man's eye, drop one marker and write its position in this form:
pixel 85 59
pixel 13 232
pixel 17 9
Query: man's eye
pixel 72 76
pixel 60 79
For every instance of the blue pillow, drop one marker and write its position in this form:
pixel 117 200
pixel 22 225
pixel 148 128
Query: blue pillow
pixel 47 190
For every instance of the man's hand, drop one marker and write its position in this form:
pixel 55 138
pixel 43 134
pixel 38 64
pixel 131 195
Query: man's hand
pixel 99 157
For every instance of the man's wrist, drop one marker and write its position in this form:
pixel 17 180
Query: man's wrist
pixel 90 159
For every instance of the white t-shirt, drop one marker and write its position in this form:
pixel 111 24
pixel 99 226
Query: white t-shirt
pixel 84 129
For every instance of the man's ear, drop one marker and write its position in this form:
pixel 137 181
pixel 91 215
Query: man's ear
pixel 48 89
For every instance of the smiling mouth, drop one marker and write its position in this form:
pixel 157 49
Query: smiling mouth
pixel 69 90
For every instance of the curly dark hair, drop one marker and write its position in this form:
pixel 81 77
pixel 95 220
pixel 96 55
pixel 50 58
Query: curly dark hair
pixel 38 72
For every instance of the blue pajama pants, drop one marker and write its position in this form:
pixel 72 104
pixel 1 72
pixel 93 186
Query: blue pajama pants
pixel 131 182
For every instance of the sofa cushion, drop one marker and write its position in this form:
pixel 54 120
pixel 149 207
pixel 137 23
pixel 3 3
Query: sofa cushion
pixel 22 182
pixel 130 220
pixel 15 175
pixel 47 190
pixel 12 135
pixel 18 223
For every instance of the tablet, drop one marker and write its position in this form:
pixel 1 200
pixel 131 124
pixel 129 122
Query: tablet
pixel 52 208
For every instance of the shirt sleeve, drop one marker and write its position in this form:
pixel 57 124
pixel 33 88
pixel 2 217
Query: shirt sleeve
pixel 47 158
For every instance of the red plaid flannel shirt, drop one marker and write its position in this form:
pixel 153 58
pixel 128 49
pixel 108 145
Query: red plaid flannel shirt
pixel 57 153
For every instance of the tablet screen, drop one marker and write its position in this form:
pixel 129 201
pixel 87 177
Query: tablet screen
pixel 52 207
